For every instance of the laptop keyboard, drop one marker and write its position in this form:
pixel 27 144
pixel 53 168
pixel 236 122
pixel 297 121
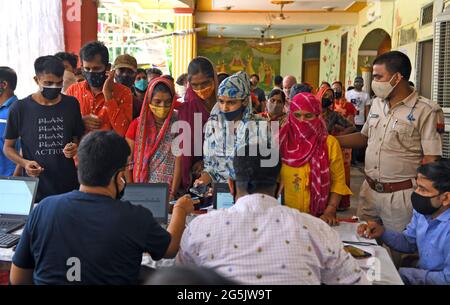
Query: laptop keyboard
pixel 8 225
pixel 8 240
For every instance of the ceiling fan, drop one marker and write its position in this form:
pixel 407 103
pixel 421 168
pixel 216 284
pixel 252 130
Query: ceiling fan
pixel 263 41
pixel 281 3
pixel 174 33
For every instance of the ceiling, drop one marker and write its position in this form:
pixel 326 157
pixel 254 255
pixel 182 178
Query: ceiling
pixel 298 5
pixel 254 31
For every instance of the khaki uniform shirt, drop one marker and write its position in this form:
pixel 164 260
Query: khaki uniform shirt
pixel 400 137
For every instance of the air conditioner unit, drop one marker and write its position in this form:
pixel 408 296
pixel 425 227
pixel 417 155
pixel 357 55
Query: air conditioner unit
pixel 441 61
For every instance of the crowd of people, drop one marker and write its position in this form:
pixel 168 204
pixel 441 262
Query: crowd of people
pixel 87 132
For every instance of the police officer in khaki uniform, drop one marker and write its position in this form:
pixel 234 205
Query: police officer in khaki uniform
pixel 400 134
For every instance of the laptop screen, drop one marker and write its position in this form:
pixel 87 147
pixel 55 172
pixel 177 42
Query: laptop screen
pixel 17 196
pixel 224 199
pixel 153 197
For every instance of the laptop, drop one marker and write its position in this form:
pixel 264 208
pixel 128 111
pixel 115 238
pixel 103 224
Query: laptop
pixel 222 198
pixel 152 196
pixel 16 201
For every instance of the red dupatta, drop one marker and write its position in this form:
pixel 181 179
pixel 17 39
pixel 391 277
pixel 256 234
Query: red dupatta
pixel 147 139
pixel 303 142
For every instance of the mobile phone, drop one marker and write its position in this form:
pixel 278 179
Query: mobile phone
pixel 199 190
pixel 175 201
pixel 356 252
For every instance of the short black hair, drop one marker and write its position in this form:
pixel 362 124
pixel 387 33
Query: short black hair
pixel 299 88
pixel 255 75
pixel 278 80
pixel 182 79
pixel 169 77
pixel 278 92
pixel 71 58
pixel 93 48
pixel 201 65
pixel 438 173
pixel 8 75
pixel 101 155
pixel 395 62
pixel 154 71
pixel 161 87
pixel 221 77
pixel 325 83
pixel 338 82
pixel 139 71
pixel 250 175
pixel 49 65
pixel 187 275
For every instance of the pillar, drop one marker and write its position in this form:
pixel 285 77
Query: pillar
pixel 80 19
pixel 185 46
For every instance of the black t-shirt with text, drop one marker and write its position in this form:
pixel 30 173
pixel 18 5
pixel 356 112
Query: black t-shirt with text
pixel 44 131
pixel 81 238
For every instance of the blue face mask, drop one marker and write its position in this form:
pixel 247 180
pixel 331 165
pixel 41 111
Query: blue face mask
pixel 233 115
pixel 141 85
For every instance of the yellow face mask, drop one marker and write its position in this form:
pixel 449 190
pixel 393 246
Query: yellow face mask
pixel 159 111
pixel 205 93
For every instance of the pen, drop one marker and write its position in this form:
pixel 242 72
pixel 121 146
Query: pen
pixel 395 123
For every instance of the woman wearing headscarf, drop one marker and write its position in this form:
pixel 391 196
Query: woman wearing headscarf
pixel 312 172
pixel 337 125
pixel 150 138
pixel 275 107
pixel 231 126
pixel 347 111
pixel 199 100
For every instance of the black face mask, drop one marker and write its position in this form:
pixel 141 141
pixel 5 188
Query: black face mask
pixel 50 93
pixel 337 94
pixel 232 115
pixel 122 192
pixel 127 81
pixel 423 204
pixel 95 79
pixel 326 102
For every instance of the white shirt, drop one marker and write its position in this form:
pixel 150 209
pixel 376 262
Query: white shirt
pixel 257 241
pixel 360 100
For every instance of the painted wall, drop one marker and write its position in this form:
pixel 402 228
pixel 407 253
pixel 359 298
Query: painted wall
pixel 233 55
pixel 394 17
pixel 330 48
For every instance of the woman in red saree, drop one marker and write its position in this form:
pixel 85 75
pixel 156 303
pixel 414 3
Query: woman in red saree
pixel 150 138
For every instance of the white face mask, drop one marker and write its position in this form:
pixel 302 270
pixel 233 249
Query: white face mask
pixel 383 89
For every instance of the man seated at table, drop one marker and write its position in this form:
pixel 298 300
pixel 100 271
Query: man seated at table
pixel 258 241
pixel 90 236
pixel 428 233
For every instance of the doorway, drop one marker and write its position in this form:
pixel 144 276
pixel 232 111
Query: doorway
pixel 311 63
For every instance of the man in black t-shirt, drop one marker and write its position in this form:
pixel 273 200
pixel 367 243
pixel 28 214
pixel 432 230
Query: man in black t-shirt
pixel 90 236
pixel 258 92
pixel 49 127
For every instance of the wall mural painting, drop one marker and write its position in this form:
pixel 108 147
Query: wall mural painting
pixel 351 59
pixel 234 55
pixel 330 59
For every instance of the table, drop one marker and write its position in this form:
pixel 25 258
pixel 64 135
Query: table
pixel 347 231
pixel 388 273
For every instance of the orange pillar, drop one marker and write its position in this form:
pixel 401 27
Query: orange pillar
pixel 80 23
